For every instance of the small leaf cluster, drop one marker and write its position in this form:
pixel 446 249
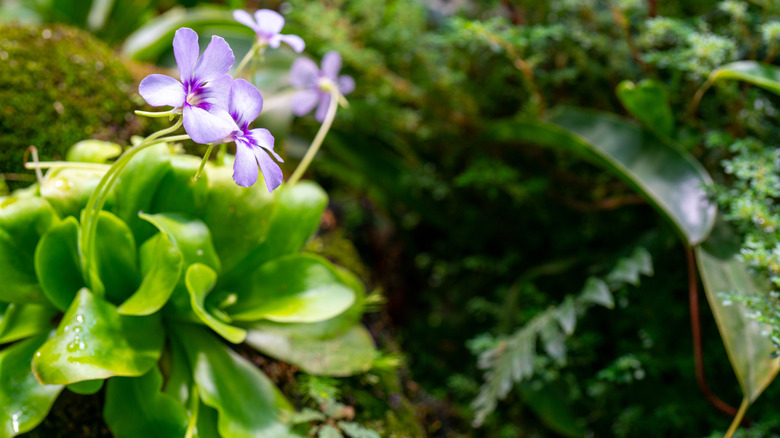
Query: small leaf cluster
pixel 182 269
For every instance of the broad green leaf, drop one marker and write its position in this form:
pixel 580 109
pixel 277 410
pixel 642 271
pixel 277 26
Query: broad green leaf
pixel 136 408
pixel 296 217
pixel 25 402
pixel 238 217
pixel 249 405
pixel 648 102
pixel 136 187
pixel 57 263
pixel 24 320
pixel 161 266
pixel 347 354
pixel 748 350
pixel 23 220
pixel 93 151
pixel 93 341
pixel 178 192
pixel 764 75
pixel 86 387
pixel 200 280
pixel 193 239
pixel 672 180
pixel 68 190
pixel 117 261
pixel 293 288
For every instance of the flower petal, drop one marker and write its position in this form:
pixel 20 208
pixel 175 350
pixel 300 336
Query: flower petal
pixel 207 127
pixel 161 90
pixel 217 93
pixel 303 73
pixel 264 139
pixel 293 41
pixel 304 101
pixel 245 165
pixel 331 65
pixel 186 50
pixel 246 102
pixel 272 173
pixel 215 62
pixel 269 22
pixel 244 18
pixel 346 84
pixel 322 108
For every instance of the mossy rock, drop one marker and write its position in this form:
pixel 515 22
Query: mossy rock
pixel 58 85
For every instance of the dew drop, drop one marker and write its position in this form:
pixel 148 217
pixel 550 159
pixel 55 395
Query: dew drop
pixel 199 252
pixel 77 329
pixel 38 354
pixel 72 347
pixel 80 319
pixel 82 345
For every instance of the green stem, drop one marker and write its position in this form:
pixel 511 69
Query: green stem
pixel 157 113
pixel 98 198
pixel 318 139
pixel 65 164
pixel 194 404
pixel 246 59
pixel 203 163
pixel 221 154
pixel 738 418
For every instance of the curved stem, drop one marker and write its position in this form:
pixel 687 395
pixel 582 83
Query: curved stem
pixel 318 139
pixel 194 404
pixel 157 113
pixel 98 198
pixel 737 419
pixel 203 163
pixel 246 59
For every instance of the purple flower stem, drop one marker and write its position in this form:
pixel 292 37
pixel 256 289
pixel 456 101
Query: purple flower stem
pixel 335 97
pixel 98 199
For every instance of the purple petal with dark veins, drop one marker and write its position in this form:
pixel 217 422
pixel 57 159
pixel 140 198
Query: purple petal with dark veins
pixel 161 90
pixel 272 173
pixel 207 127
pixel 346 84
pixel 218 92
pixel 245 165
pixel 246 102
pixel 304 101
pixel 215 62
pixel 263 138
pixel 269 22
pixel 303 73
pixel 331 65
pixel 186 50
pixel 244 18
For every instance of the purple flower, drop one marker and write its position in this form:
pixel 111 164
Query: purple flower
pixel 318 84
pixel 267 25
pixel 253 146
pixel 202 94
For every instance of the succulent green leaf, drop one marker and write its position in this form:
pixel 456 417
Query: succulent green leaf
pixel 670 179
pixel 347 354
pixel 238 217
pixel 763 75
pixel 200 280
pixel 23 220
pixel 296 217
pixel 648 102
pixel 93 151
pixel 161 266
pixel 249 405
pixel 68 190
pixel 748 350
pixel 25 401
pixel 93 341
pixel 293 288
pixel 57 263
pixel 178 192
pixel 24 320
pixel 136 187
pixel 117 261
pixel 136 408
pixel 86 387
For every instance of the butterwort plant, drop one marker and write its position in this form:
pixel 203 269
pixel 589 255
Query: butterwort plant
pixel 137 275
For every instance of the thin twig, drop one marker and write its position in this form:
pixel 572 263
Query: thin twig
pixel 515 14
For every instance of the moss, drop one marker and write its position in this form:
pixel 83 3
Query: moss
pixel 58 85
